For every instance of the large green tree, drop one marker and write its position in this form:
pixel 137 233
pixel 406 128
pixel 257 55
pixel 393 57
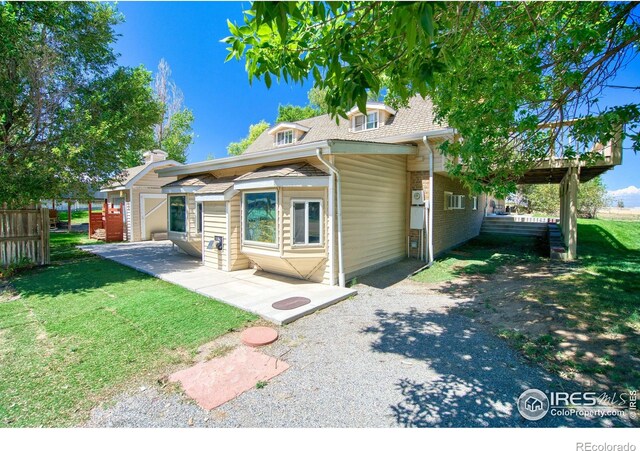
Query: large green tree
pixel 69 118
pixel 255 130
pixel 495 71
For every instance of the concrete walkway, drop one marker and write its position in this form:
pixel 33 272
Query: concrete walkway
pixel 251 290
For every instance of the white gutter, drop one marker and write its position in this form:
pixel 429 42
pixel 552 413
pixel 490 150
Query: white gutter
pixel 336 173
pixel 430 226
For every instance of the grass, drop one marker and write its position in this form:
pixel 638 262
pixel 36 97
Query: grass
pixel 78 331
pixel 63 246
pixel 77 217
pixel 481 256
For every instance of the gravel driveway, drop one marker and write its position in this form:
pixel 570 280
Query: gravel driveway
pixel 387 357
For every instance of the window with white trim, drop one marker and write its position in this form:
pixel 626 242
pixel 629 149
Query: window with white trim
pixel 284 137
pixel 453 201
pixel 178 214
pixel 475 202
pixel 306 222
pixel 259 217
pixel 199 217
pixel 365 122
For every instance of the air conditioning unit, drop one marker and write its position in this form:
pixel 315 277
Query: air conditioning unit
pixel 417 197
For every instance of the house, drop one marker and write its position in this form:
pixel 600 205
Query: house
pixel 326 201
pixel 139 194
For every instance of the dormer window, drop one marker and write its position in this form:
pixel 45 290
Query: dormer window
pixel 377 115
pixel 368 122
pixel 284 137
pixel 286 133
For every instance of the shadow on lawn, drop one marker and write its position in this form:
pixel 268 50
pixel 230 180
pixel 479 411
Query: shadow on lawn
pixel 479 378
pixel 576 318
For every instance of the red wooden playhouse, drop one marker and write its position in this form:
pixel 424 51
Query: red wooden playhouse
pixel 107 225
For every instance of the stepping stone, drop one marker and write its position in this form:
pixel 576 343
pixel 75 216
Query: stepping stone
pixel 219 380
pixel 259 336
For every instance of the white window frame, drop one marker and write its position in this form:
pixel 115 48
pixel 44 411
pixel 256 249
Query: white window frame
pixel 306 223
pixel 365 124
pixel 186 214
pixel 199 217
pixel 454 201
pixel 284 134
pixel 475 202
pixel 244 225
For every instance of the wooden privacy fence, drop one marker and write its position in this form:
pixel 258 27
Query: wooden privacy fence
pixel 24 236
pixel 106 225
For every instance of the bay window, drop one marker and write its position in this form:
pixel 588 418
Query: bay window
pixel 178 214
pixel 260 217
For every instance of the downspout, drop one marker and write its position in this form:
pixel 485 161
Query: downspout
pixel 338 213
pixel 430 218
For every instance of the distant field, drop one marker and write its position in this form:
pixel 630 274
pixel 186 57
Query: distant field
pixel 625 214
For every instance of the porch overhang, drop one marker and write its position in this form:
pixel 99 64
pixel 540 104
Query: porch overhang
pixel 278 182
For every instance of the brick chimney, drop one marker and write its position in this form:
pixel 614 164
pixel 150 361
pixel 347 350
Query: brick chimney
pixel 151 156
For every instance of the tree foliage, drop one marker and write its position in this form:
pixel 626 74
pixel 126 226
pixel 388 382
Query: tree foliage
pixel 495 71
pixel 255 130
pixel 592 196
pixel 174 132
pixel 294 113
pixel 68 117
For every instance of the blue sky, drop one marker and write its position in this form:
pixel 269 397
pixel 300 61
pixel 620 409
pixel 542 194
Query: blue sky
pixel 187 35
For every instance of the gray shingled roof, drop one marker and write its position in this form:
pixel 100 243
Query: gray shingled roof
pixel 129 173
pixel 285 170
pixel 208 183
pixel 417 117
pixel 219 186
pixel 192 180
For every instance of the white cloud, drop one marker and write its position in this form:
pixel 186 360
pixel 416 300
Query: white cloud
pixel 628 191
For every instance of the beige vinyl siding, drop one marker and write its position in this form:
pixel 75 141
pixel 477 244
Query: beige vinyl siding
pixel 215 224
pixel 452 227
pixel 374 191
pixel 237 260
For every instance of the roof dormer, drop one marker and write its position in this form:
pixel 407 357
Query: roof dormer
pixel 286 133
pixel 376 115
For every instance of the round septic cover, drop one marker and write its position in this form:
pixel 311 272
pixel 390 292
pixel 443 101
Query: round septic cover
pixel 259 336
pixel 290 303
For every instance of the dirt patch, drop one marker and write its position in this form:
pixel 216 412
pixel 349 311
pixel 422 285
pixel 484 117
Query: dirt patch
pixel 536 308
pixel 8 293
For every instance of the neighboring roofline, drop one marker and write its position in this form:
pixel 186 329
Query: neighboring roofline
pixel 273 182
pixel 292 152
pixel 372 106
pixel 141 174
pixel 287 126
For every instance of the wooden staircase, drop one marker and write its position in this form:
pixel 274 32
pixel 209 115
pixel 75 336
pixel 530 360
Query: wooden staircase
pixel 516 225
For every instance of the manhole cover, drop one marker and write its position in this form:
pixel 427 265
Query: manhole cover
pixel 290 303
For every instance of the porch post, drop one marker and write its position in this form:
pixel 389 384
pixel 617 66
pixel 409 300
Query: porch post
pixel 569 211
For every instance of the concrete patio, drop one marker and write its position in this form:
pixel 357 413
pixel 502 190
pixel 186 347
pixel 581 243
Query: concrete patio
pixel 250 290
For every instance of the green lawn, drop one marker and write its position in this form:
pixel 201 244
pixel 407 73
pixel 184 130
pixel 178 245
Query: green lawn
pixel 77 217
pixel 84 328
pixel 482 255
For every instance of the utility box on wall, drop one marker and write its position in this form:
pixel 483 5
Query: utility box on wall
pixel 417 197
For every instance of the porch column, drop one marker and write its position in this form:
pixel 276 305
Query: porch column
pixel 569 211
